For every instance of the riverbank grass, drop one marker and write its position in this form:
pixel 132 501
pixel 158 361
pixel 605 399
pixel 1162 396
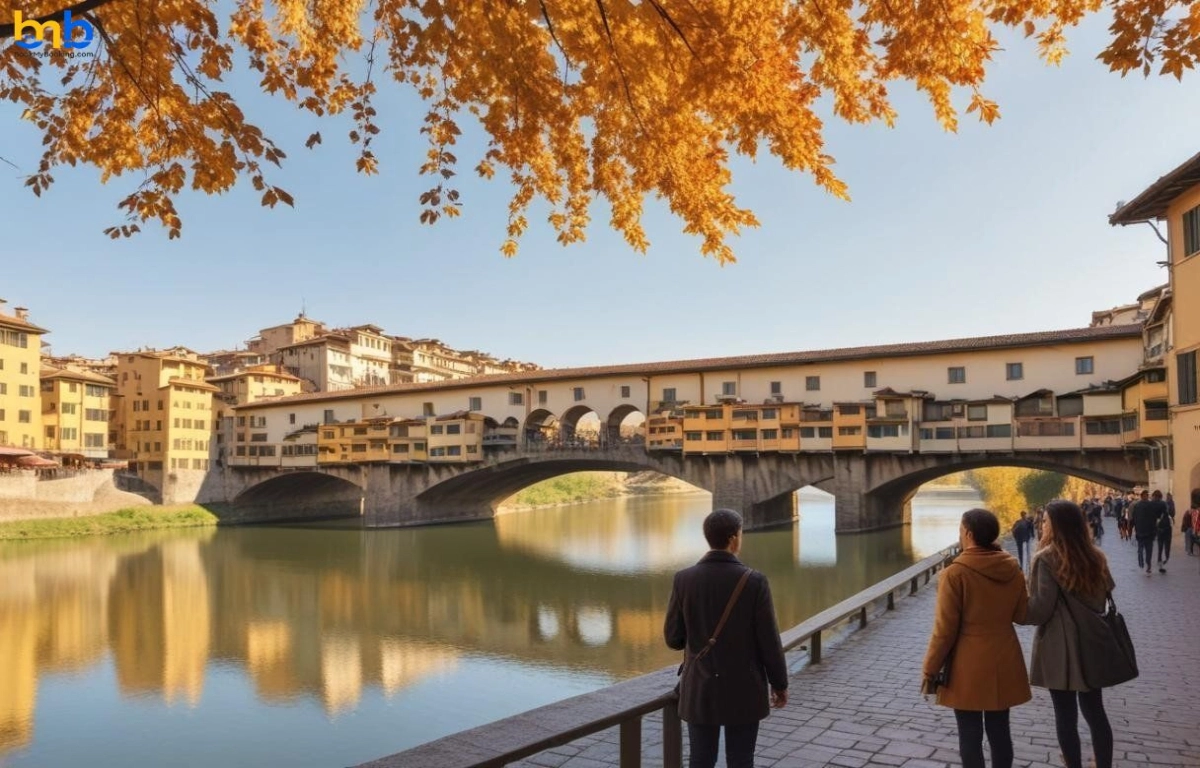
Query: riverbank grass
pixel 122 521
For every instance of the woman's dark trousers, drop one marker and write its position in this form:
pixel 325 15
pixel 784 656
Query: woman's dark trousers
pixel 739 745
pixel 1066 719
pixel 971 726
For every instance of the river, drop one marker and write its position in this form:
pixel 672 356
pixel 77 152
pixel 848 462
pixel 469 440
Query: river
pixel 326 645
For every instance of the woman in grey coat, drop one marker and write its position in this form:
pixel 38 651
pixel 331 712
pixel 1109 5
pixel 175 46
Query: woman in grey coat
pixel 1068 561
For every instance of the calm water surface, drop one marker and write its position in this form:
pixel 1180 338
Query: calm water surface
pixel 328 645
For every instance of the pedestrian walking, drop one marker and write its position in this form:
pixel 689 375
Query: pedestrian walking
pixel 1022 532
pixel 974 662
pixel 1165 526
pixel 1145 526
pixel 1069 563
pixel 1192 516
pixel 721 616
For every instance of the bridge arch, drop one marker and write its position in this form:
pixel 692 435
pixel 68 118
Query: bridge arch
pixel 571 420
pixel 619 420
pixel 1101 473
pixel 486 487
pixel 298 496
pixel 541 426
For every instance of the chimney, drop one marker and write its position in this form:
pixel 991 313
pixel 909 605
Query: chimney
pixel 22 313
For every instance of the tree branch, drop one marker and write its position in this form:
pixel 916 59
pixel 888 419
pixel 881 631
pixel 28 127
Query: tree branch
pixel 7 30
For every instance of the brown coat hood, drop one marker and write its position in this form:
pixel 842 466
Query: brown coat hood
pixel 994 564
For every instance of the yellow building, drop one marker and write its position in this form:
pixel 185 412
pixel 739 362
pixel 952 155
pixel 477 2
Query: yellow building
pixel 456 437
pixel 1175 199
pixel 166 417
pixel 76 411
pixel 20 367
pixel 373 440
pixel 257 382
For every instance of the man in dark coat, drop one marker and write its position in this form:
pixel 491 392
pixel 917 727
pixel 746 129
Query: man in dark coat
pixel 729 685
pixel 1145 526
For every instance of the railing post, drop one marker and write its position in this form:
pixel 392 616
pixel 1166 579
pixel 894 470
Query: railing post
pixel 913 587
pixel 891 601
pixel 862 617
pixel 672 737
pixel 814 648
pixel 631 742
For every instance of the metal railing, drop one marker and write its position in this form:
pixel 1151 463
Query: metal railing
pixel 625 704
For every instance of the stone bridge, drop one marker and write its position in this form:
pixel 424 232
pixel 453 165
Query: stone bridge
pixel 872 490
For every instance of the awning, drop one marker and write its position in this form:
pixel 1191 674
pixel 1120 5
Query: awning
pixel 36 462
pixel 14 452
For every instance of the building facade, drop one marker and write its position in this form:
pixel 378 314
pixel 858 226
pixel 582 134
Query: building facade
pixel 77 411
pixel 165 419
pixel 20 388
pixel 1175 200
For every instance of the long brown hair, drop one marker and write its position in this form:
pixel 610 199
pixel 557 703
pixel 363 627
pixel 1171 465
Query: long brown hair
pixel 1081 566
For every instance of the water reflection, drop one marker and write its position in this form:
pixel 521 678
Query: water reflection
pixel 415 632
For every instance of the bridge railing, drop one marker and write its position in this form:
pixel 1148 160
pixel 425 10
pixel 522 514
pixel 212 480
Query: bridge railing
pixel 625 704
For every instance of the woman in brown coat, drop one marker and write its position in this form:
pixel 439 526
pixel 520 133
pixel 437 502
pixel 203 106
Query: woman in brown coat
pixel 1068 560
pixel 980 595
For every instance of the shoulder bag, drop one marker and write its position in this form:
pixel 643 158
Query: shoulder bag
pixel 690 670
pixel 1106 653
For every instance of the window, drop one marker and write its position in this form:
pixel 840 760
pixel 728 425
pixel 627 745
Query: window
pixel 1185 364
pixel 808 432
pixel 400 448
pixel 1191 231
pixel 543 397
pixel 976 413
pixel 1084 366
pixel 668 394
pixel 824 431
pixel 475 404
pixel 1014 371
pixel 92 390
pixel 714 436
pixel 427 409
pixel 972 432
pixel 849 431
pixel 713 413
pixel 625 391
pixel 776 387
pixel 1103 427
pixel 3 388
pixel 70 408
pixel 437 429
pixel 26 390
pixel 745 434
pixel 160 405
pixel 729 388
pixel 93 439
pixel 869 379
pixel 812 383
pixel 95 414
pixel 516 398
pixel 789 434
pixel 24 367
pixel 693 435
pixel 956 374
pixel 291 418
pixel 999 430
pixel 50 432
pixel 578 393
pixel 769 413
pixel 883 430
pixel 24 417
pixel 1156 375
pixel 454 450
pixel 454 429
pixel 943 433
pixel 770 434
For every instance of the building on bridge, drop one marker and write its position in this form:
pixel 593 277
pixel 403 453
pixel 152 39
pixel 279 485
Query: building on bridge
pixel 1173 327
pixel 1045 391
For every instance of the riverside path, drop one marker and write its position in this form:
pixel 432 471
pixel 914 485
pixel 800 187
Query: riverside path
pixel 861 707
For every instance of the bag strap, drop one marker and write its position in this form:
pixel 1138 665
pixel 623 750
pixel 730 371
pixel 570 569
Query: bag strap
pixel 737 592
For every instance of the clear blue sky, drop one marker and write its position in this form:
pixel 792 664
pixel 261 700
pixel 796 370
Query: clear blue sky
pixel 995 229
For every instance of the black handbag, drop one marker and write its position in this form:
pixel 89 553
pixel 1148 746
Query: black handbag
pixel 1106 653
pixel 691 669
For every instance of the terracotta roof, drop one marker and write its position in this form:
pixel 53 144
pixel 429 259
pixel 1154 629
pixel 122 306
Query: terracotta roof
pixel 8 321
pixel 240 374
pixel 914 349
pixel 66 373
pixel 1152 203
pixel 182 382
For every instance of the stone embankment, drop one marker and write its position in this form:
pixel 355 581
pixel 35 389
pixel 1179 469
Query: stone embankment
pixel 73 493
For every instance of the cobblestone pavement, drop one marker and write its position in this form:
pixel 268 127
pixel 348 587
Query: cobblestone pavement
pixel 861 707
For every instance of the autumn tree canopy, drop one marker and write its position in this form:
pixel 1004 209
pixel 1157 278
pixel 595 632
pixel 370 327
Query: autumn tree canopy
pixel 579 99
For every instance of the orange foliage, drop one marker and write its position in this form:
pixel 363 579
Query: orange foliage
pixel 580 99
